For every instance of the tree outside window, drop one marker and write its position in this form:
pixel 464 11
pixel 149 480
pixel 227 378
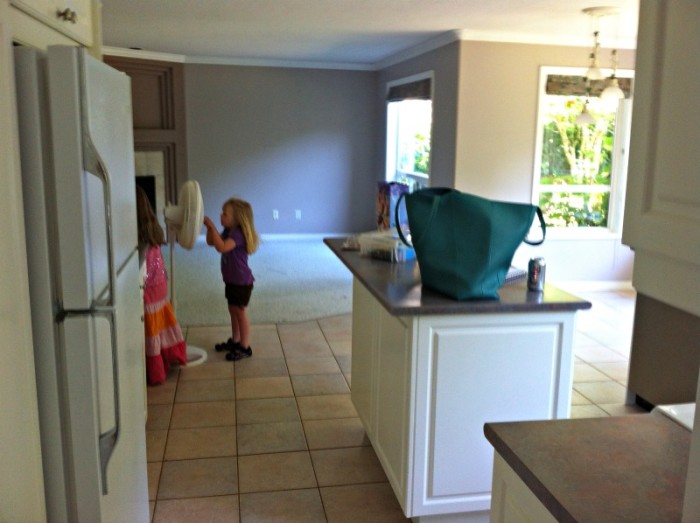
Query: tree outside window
pixel 408 138
pixel 577 162
pixel 580 169
pixel 409 117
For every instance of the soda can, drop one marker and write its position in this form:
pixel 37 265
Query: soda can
pixel 535 274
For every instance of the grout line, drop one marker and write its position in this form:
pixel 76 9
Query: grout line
pixel 172 403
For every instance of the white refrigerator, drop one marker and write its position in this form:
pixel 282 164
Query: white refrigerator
pixel 76 152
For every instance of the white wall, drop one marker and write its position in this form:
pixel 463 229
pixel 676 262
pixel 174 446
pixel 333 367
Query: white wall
pixel 484 139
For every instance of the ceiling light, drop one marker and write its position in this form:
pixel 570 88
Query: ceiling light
pixel 612 89
pixel 585 118
pixel 594 72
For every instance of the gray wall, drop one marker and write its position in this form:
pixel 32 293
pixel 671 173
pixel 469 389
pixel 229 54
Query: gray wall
pixel 314 140
pixel 286 139
pixel 444 64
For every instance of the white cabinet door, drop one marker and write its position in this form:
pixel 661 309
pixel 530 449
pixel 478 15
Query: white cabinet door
pixel 476 369
pixel 364 341
pixel 662 213
pixel 70 17
pixel 393 394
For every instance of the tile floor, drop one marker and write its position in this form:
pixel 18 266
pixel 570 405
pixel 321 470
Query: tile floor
pixel 276 438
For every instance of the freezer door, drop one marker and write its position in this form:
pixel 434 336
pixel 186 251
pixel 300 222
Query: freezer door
pixel 93 180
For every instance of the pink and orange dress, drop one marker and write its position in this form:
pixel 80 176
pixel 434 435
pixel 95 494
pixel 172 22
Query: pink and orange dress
pixel 165 344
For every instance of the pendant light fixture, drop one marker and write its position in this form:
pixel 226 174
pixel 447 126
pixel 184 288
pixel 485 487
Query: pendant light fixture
pixel 586 118
pixel 594 72
pixel 612 89
pixel 596 13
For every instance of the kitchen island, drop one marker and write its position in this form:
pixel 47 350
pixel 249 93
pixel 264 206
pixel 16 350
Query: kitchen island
pixel 428 372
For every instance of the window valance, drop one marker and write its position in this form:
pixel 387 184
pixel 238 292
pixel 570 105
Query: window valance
pixel 418 90
pixel 570 85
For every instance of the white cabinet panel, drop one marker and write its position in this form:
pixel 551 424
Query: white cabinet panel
pixel 513 501
pixel 364 334
pixel 662 212
pixel 393 394
pixel 477 369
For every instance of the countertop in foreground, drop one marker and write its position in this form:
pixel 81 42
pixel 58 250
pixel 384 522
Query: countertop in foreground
pixel 626 468
pixel 397 286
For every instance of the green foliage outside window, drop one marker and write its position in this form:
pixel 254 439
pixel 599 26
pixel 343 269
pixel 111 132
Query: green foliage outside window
pixel 576 163
pixel 421 162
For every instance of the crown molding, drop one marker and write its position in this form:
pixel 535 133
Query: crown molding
pixel 428 45
pixel 298 64
pixel 572 40
pixel 143 55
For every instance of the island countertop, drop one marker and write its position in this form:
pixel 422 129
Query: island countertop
pixel 397 286
pixel 626 468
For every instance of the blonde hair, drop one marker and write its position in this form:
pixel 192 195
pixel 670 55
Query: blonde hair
pixel 243 213
pixel 149 230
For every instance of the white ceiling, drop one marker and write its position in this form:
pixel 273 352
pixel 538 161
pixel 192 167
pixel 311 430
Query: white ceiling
pixel 363 34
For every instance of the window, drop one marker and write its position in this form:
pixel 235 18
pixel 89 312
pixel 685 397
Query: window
pixel 580 169
pixel 409 124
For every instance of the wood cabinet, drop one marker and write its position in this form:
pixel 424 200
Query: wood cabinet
pixel 72 18
pixel 424 386
pixel 158 102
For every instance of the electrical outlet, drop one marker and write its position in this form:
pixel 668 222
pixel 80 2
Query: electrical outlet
pixel 275 214
pixel 297 213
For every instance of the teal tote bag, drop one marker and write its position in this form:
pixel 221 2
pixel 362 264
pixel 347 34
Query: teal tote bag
pixel 465 243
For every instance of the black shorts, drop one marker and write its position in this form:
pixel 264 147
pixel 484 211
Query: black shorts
pixel 238 294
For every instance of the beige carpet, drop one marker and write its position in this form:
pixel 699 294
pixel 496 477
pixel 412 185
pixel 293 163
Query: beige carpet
pixel 295 280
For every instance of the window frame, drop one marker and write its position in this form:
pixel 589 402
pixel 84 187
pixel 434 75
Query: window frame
pixel 392 143
pixel 620 158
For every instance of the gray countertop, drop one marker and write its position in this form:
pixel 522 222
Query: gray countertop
pixel 397 286
pixel 627 468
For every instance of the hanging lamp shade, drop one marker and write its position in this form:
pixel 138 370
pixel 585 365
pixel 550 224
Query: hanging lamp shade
pixel 612 91
pixel 596 13
pixel 585 118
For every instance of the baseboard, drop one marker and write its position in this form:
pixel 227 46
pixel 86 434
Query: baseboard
pixel 202 238
pixel 287 237
pixel 595 286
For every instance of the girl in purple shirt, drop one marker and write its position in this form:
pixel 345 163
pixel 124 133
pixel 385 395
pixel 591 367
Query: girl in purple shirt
pixel 236 241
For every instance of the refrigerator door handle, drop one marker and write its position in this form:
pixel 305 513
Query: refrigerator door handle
pixel 93 163
pixel 108 440
pixel 106 307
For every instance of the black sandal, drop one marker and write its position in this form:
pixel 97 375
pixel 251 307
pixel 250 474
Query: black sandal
pixel 239 353
pixel 228 345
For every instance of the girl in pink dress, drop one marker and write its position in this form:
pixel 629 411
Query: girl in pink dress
pixel 164 341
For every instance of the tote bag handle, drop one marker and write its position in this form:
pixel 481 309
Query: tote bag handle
pixel 543 226
pixel 433 210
